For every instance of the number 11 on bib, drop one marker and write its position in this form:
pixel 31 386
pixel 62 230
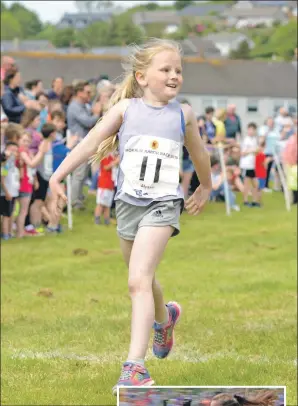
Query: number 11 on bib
pixel 151 167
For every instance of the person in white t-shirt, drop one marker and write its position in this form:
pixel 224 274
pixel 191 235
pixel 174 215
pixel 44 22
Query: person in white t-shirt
pixel 249 149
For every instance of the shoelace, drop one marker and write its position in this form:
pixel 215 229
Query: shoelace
pixel 128 371
pixel 160 336
pixel 125 374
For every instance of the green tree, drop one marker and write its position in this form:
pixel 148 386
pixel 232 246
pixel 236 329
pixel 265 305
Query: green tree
pixel 284 40
pixel 280 41
pixel 48 32
pixel 64 37
pixel 122 31
pixel 10 27
pixel 152 6
pixel 28 20
pixel 96 34
pixel 181 4
pixel 243 51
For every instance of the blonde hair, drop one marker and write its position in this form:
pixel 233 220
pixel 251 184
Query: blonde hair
pixel 221 114
pixel 139 59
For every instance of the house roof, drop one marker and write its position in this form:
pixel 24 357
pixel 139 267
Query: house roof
pixel 253 12
pixel 226 37
pixel 241 78
pixel 256 79
pixel 200 47
pixel 162 16
pixel 203 9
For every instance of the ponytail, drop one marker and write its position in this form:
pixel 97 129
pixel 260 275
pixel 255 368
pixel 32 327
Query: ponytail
pixel 128 89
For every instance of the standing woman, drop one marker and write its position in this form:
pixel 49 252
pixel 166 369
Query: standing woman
pixel 12 105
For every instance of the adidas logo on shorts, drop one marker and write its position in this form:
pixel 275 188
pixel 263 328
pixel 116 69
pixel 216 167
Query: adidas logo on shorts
pixel 157 213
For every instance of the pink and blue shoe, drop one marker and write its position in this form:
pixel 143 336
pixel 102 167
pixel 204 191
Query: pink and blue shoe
pixel 164 335
pixel 133 375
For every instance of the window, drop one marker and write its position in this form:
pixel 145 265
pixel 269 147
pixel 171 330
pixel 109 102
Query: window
pixel 222 103
pixel 207 103
pixel 215 103
pixel 293 108
pixel 277 105
pixel 252 106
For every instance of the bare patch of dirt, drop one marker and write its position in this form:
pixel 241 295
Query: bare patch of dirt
pixel 46 292
pixel 80 252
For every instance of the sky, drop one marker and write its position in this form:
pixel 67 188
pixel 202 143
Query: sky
pixel 52 11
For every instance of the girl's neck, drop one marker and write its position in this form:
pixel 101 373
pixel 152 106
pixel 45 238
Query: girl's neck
pixel 154 103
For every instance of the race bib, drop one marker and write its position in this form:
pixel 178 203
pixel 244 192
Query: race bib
pixel 151 167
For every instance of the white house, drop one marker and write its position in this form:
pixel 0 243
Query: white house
pixel 229 41
pixel 251 16
pixel 82 20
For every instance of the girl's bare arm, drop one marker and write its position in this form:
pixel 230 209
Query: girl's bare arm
pixel 196 148
pixel 108 126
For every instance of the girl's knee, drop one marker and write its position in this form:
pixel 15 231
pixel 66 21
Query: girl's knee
pixel 137 284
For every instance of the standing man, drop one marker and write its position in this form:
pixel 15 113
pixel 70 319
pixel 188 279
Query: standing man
pixel 232 125
pixel 81 119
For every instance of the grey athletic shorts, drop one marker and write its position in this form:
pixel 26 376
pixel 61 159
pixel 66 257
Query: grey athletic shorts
pixel 130 218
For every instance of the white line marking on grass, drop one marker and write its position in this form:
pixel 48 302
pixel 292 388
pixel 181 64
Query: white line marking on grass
pixel 183 355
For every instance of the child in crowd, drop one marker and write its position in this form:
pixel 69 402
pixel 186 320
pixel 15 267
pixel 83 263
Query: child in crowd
pixel 58 120
pixel 261 169
pixel 218 190
pixel 54 105
pixel 105 190
pixel 249 148
pixel 61 147
pixel 10 184
pixel 12 133
pixel 43 100
pixel 30 121
pixel 44 172
pixel 27 164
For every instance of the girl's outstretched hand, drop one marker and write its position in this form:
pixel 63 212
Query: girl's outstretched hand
pixel 59 198
pixel 196 203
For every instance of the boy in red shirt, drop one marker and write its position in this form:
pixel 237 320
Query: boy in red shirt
pixel 261 170
pixel 105 189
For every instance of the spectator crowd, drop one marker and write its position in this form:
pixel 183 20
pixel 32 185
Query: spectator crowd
pixel 39 128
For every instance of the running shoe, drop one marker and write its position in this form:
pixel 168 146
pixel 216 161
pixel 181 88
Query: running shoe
pixel 133 375
pixel 164 335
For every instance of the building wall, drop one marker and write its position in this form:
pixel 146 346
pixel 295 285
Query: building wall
pixel 265 107
pixel 86 67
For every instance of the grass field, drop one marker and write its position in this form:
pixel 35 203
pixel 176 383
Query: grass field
pixel 234 277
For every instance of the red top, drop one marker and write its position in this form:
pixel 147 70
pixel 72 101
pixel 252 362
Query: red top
pixel 26 180
pixel 105 180
pixel 261 171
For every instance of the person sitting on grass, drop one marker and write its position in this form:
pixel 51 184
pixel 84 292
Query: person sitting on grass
pixel 218 190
